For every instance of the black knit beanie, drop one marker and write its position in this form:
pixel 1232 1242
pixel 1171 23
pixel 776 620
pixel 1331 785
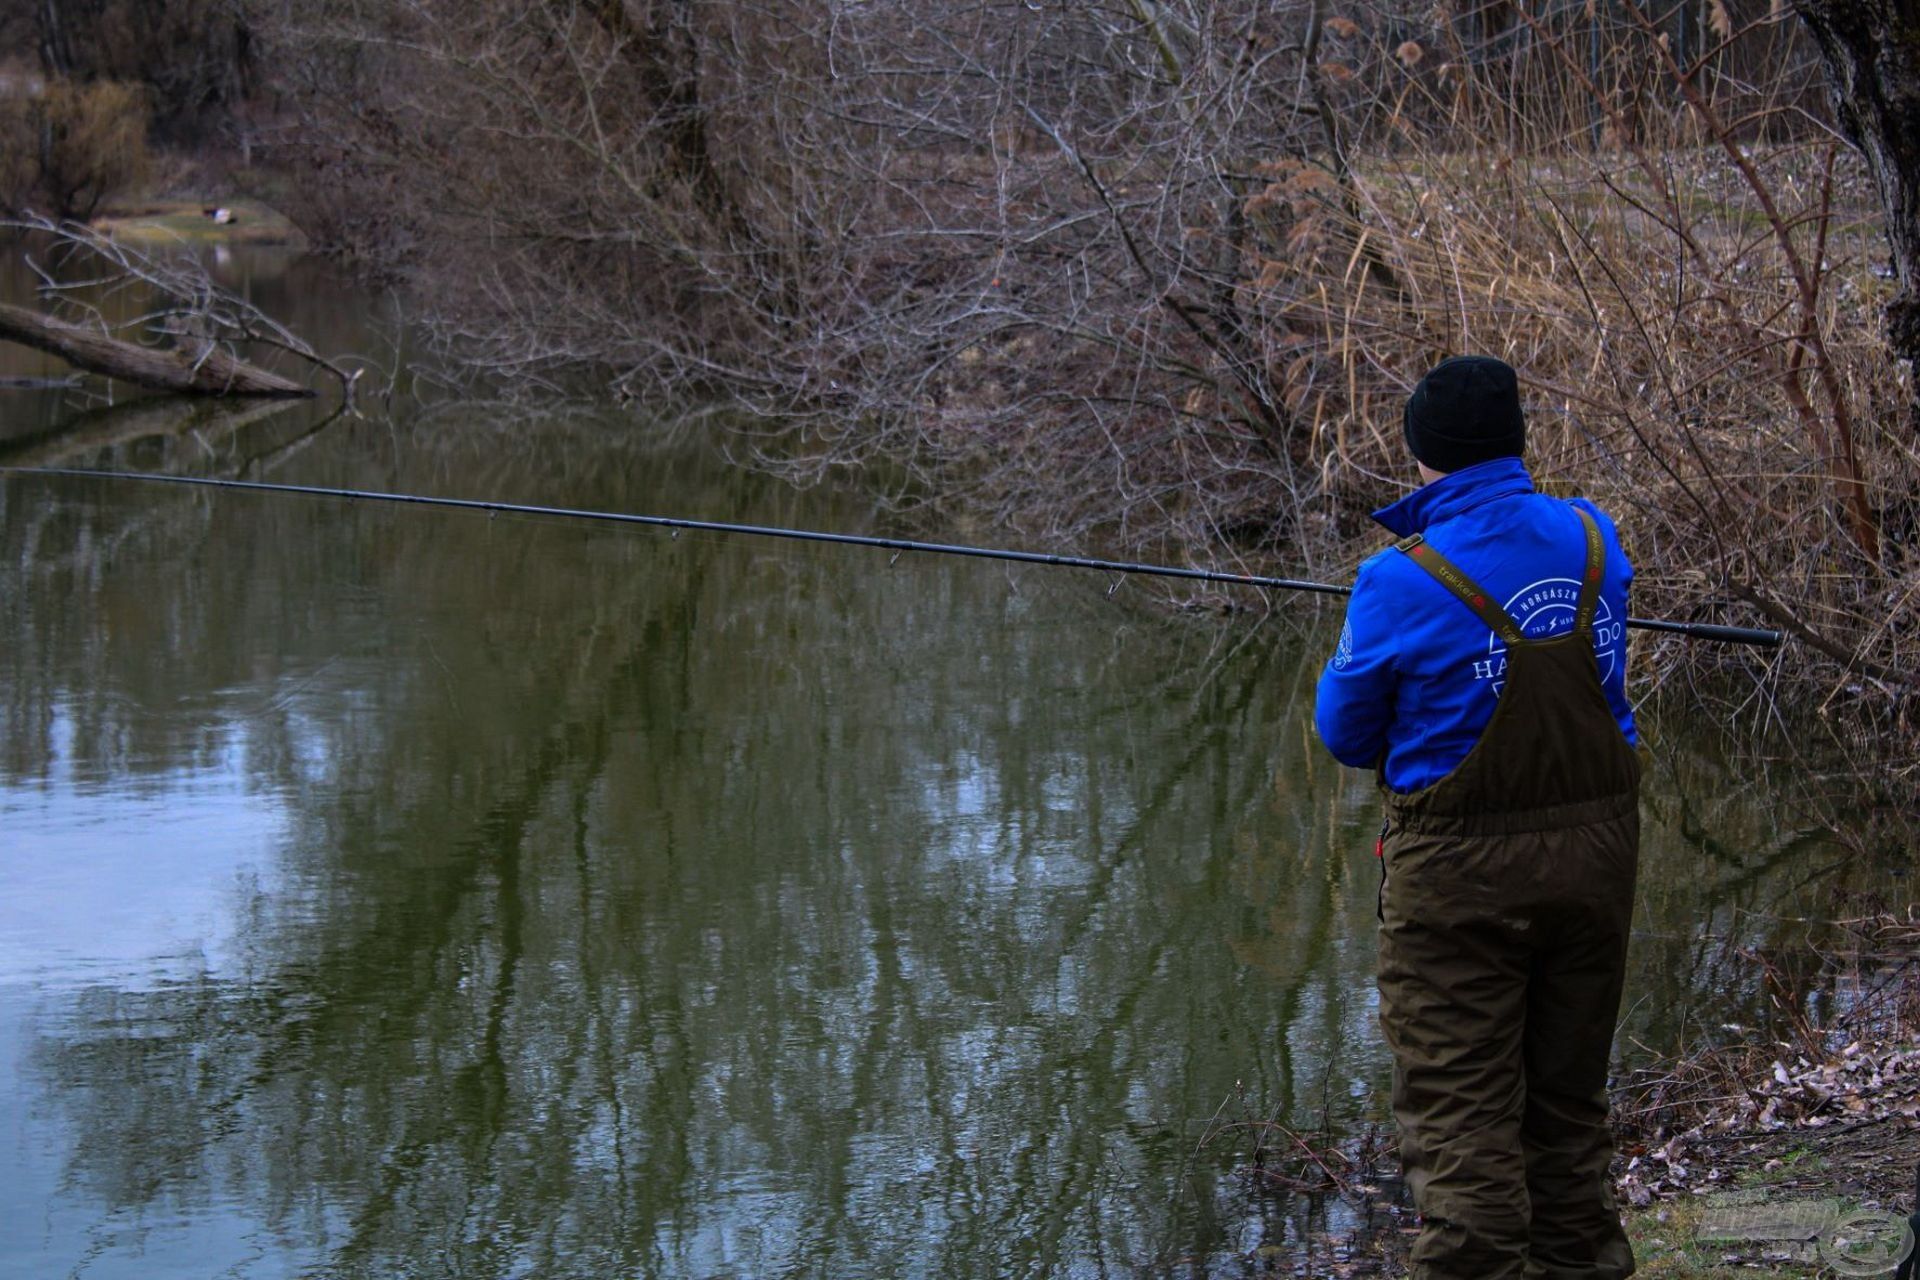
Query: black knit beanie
pixel 1466 410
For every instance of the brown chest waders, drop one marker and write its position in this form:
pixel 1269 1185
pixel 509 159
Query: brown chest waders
pixel 1503 936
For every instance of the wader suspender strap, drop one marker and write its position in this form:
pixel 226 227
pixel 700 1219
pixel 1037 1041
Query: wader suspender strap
pixel 1448 575
pixel 1590 581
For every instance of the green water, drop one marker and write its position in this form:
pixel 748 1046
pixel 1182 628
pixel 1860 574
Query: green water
pixel 388 891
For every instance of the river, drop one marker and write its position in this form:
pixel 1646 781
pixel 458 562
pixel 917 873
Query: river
pixel 392 891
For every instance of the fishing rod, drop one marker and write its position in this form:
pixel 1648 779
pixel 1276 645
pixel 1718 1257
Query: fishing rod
pixel 1695 630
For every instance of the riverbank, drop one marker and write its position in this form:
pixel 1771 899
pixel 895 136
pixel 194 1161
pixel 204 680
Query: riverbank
pixel 1785 1196
pixel 1728 1203
pixel 158 223
pixel 1748 1157
pixel 1764 1151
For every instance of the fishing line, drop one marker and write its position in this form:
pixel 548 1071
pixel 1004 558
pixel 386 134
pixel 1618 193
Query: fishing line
pixel 1696 630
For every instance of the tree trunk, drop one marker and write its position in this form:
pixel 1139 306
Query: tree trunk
pixel 198 368
pixel 1872 52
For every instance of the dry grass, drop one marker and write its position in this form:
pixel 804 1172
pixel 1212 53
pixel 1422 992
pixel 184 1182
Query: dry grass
pixel 1689 276
pixel 1689 366
pixel 1853 1065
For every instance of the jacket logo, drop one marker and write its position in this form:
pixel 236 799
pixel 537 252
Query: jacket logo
pixel 1546 608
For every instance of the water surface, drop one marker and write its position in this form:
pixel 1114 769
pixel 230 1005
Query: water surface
pixel 393 891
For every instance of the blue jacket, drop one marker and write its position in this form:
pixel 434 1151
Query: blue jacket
pixel 1416 674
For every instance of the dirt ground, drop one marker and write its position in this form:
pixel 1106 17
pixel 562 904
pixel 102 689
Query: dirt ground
pixel 1753 1168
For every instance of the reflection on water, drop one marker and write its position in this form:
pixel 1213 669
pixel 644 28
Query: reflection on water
pixel 128 884
pixel 391 891
pixel 599 903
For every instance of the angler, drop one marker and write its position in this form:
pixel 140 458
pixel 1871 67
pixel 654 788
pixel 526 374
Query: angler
pixel 1481 672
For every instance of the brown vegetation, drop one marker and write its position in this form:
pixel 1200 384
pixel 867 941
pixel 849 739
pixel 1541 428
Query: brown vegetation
pixel 192 60
pixel 65 147
pixel 1839 1077
pixel 1156 275
pixel 1159 275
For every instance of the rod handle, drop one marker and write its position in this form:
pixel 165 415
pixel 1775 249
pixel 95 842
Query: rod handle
pixel 1711 631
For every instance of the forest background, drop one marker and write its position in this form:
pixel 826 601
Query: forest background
pixel 1150 277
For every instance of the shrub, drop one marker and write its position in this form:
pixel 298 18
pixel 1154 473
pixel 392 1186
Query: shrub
pixel 93 144
pixel 67 147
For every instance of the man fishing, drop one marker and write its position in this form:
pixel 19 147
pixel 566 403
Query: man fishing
pixel 1481 671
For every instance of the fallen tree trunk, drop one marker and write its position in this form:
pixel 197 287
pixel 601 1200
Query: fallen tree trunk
pixel 198 367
